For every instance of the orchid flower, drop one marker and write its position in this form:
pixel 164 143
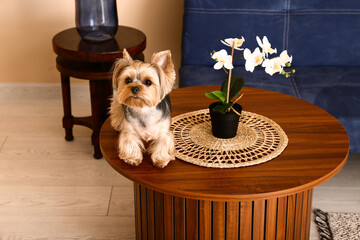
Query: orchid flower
pixel 273 65
pixel 265 45
pixel 284 57
pixel 237 41
pixel 232 85
pixel 252 59
pixel 223 60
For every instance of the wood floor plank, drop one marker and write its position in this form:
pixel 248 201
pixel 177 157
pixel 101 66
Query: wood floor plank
pixel 336 194
pixel 45 126
pixel 67 227
pixel 334 199
pixel 314 235
pixel 2 141
pixel 53 108
pixel 335 206
pixel 42 91
pixel 46 148
pixel 90 172
pixel 122 201
pixel 54 200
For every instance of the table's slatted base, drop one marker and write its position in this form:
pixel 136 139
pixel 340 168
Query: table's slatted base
pixel 162 216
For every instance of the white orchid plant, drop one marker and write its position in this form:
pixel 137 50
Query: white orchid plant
pixel 232 86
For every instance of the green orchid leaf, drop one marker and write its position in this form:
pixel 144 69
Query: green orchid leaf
pixel 218 95
pixel 222 108
pixel 237 83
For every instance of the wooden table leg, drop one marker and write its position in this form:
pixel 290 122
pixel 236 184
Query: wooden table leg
pixel 68 119
pixel 100 93
pixel 163 216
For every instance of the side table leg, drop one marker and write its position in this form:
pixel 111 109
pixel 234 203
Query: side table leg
pixel 68 119
pixel 100 92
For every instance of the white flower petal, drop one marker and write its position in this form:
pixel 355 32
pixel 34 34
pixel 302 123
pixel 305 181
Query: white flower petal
pixel 273 66
pixel 269 71
pixel 231 41
pixel 285 58
pixel 247 53
pixel 223 52
pixel 249 66
pixel 228 62
pixel 218 65
pixel 259 41
pixel 266 41
pixel 239 41
pixel 258 59
pixel 265 63
pixel 228 65
pixel 220 55
pixel 284 54
pixel 271 50
pixel 238 48
pixel 224 42
pixel 257 51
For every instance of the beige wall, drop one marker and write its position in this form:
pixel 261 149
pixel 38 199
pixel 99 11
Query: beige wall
pixel 27 27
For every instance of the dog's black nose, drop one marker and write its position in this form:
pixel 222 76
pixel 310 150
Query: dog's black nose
pixel 135 90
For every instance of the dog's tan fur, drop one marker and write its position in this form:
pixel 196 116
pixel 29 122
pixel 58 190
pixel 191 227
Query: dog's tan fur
pixel 139 116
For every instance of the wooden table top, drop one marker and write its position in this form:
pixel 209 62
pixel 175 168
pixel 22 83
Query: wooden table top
pixel 318 148
pixel 68 44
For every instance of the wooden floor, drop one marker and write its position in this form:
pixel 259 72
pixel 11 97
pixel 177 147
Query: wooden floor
pixel 53 189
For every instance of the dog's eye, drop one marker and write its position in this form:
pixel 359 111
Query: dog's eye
pixel 147 82
pixel 128 80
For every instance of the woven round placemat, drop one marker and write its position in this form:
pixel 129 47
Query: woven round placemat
pixel 259 139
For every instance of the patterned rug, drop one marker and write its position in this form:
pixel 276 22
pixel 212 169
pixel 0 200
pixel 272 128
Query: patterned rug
pixel 337 226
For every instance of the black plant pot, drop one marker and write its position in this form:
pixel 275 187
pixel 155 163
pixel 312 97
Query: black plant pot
pixel 224 125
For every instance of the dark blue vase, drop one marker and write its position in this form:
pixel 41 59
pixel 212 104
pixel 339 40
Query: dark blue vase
pixel 96 20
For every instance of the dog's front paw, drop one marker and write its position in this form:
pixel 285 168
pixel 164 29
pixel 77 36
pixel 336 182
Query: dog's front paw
pixel 161 160
pixel 133 162
pixel 130 149
pixel 133 158
pixel 162 150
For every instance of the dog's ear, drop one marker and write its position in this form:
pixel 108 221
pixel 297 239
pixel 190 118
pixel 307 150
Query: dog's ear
pixel 164 62
pixel 125 61
pixel 127 56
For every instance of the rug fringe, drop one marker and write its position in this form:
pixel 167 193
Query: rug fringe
pixel 321 219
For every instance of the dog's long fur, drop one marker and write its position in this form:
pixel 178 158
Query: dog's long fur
pixel 141 108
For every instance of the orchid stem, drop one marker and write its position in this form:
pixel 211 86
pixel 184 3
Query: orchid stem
pixel 230 72
pixel 238 98
pixel 235 111
pixel 239 56
pixel 225 70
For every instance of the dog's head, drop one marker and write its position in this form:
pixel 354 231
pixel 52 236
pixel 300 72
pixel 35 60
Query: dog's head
pixel 140 84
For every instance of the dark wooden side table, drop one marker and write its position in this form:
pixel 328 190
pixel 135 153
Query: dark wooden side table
pixel 271 200
pixel 92 61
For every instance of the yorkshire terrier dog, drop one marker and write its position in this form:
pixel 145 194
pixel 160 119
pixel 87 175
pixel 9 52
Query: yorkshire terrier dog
pixel 141 109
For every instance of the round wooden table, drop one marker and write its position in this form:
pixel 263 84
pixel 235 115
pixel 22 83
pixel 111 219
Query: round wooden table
pixel 271 200
pixel 92 61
